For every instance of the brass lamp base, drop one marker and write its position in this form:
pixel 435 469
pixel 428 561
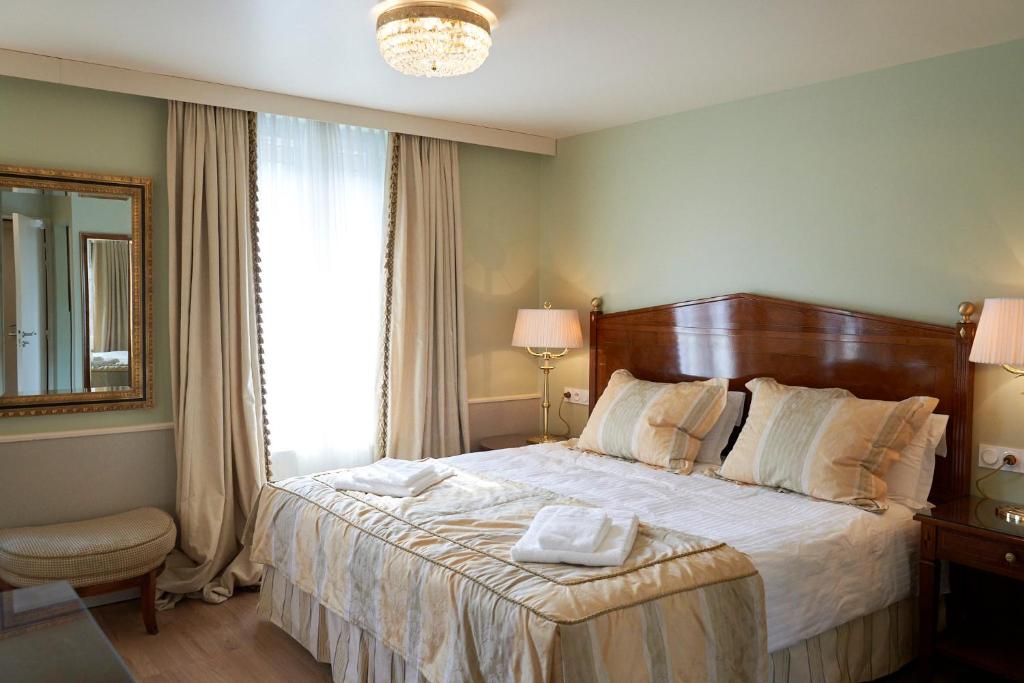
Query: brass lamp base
pixel 1012 514
pixel 545 438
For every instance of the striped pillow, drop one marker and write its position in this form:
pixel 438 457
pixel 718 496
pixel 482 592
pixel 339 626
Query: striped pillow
pixel 826 443
pixel 657 424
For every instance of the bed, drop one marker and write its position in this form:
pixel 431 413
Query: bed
pixel 109 360
pixel 108 369
pixel 832 596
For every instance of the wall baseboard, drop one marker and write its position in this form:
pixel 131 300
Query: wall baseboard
pixel 493 415
pixel 111 598
pixel 102 431
pixel 69 476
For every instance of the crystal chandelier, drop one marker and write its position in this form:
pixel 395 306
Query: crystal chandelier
pixel 433 39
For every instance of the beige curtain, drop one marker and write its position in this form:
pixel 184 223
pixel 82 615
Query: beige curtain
pixel 215 374
pixel 111 282
pixel 424 407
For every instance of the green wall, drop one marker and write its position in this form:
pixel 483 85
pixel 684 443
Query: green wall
pixel 899 191
pixel 57 126
pixel 500 193
pixel 72 128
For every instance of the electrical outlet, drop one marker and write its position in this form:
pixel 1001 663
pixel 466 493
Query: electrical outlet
pixel 580 396
pixel 992 456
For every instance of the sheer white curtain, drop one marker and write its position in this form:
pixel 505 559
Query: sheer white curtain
pixel 321 230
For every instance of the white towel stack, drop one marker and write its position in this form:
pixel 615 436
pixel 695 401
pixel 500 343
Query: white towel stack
pixel 390 477
pixel 569 534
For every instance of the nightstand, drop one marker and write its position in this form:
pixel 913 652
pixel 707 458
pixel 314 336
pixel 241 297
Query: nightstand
pixel 967 533
pixel 496 443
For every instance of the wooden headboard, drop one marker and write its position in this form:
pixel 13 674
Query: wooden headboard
pixel 743 336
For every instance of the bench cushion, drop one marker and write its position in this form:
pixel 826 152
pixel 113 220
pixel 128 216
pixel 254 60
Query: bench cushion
pixel 86 553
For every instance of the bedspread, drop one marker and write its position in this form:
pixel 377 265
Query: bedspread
pixel 431 578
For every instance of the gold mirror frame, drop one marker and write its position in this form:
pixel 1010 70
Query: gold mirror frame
pixel 140 190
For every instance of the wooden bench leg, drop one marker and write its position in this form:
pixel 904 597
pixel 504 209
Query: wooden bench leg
pixel 147 590
pixel 148 598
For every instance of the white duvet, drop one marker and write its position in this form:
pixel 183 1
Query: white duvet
pixel 822 563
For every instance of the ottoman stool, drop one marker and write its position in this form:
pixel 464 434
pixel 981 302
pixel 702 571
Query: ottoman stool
pixel 95 556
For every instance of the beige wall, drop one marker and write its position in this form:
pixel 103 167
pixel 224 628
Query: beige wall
pixel 899 192
pixel 65 479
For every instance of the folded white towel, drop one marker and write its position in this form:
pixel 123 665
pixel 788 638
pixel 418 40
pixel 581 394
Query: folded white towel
pixel 351 480
pixel 611 552
pixel 396 472
pixel 571 527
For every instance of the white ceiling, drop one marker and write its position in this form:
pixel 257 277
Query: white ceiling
pixel 557 68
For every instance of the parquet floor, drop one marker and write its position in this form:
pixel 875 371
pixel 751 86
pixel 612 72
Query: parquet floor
pixel 229 643
pixel 200 642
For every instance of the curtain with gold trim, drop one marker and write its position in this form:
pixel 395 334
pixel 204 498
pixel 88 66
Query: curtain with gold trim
pixel 214 329
pixel 424 408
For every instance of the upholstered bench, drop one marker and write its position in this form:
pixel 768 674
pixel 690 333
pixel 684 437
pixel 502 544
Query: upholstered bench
pixel 95 556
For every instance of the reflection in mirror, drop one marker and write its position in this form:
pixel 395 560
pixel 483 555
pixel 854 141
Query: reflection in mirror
pixel 107 287
pixel 66 283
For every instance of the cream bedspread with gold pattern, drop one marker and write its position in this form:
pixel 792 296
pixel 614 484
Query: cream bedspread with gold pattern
pixel 431 578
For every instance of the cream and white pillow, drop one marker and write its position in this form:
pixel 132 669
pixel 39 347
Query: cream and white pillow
pixel 909 481
pixel 825 443
pixel 652 422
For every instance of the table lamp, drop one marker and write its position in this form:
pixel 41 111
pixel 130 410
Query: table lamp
pixel 1000 336
pixel 999 340
pixel 542 331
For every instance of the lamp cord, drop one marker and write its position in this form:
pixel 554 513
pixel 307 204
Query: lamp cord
pixel 568 428
pixel 977 483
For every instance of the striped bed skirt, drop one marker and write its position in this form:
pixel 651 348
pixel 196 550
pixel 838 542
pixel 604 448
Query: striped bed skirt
pixel 863 649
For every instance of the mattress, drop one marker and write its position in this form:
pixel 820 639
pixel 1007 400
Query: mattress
pixel 823 564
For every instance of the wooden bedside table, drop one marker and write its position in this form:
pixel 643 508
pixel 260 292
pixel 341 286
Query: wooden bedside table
pixel 496 443
pixel 967 532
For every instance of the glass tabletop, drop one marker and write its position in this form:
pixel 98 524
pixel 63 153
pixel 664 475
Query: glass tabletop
pixel 975 513
pixel 47 634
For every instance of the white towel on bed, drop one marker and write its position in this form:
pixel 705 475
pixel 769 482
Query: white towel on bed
pixel 385 480
pixel 394 471
pixel 571 527
pixel 612 551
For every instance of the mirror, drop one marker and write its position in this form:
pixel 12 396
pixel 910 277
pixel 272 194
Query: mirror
pixel 75 304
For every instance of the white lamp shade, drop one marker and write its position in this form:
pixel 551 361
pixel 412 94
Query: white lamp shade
pixel 1000 336
pixel 548 328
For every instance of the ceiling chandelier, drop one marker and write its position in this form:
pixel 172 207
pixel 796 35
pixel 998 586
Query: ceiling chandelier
pixel 434 39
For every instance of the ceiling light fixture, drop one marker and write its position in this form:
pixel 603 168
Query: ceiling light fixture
pixel 434 39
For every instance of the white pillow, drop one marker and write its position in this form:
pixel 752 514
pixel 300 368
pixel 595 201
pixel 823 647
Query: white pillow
pixel 718 438
pixel 910 478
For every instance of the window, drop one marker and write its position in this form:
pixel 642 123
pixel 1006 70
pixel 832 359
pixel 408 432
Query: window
pixel 321 231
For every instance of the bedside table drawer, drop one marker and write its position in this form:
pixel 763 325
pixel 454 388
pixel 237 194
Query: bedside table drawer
pixel 981 553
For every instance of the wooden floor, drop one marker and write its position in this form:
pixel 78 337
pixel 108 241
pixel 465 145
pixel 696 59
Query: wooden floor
pixel 228 642
pixel 201 642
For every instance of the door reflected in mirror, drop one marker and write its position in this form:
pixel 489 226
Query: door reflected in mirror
pixel 66 280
